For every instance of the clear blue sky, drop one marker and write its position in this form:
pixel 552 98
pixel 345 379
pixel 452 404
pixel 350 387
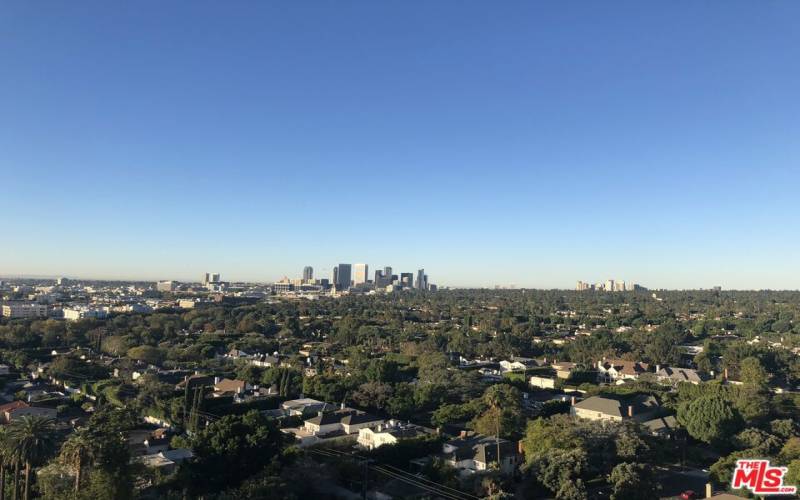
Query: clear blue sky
pixel 534 143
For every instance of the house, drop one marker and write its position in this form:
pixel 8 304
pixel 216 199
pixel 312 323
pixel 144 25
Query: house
pixel 517 364
pixel 676 375
pixel 617 370
pixel 564 369
pixel 166 461
pixel 157 441
pixel 305 407
pixel 640 407
pixel 345 421
pixel 472 453
pixel 266 360
pixel 390 433
pixel 17 409
pixel 236 354
pixel 661 426
pixel 227 386
pixel 542 382
pixel 341 423
pixel 196 380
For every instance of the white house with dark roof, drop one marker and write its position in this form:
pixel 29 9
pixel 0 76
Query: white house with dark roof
pixel 344 422
pixel 516 364
pixel 473 453
pixel 391 432
pixel 618 370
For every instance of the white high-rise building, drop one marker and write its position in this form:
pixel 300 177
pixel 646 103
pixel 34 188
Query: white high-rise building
pixel 361 274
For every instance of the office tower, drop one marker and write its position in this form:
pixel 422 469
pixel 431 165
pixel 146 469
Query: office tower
pixel 609 286
pixel 215 278
pixel 407 280
pixel 387 272
pixel 206 278
pixel 425 282
pixel 619 286
pixel 165 286
pixel 308 274
pixel 361 274
pixel 378 278
pixel 335 276
pixel 343 276
pixel 420 279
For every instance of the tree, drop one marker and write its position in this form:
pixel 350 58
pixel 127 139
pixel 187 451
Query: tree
pixel 401 404
pixel 503 415
pixel 147 353
pixel 8 457
pixel 545 434
pixel 790 450
pixel 560 472
pixel 633 481
pixel 373 394
pixel 793 474
pixel 233 448
pixel 756 438
pixel 710 419
pixel 76 452
pixel 753 373
pixel 34 440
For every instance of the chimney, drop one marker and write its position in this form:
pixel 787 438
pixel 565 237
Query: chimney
pixel 658 368
pixel 572 401
pixel 342 405
pixel 709 490
pixel 726 374
pixel 520 447
pixel 462 434
pixel 630 410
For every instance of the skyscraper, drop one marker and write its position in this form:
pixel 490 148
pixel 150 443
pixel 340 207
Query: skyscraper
pixel 308 274
pixel 407 280
pixel 343 276
pixel 421 279
pixel 361 274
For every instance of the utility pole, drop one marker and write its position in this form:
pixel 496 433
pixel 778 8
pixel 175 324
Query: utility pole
pixel 365 465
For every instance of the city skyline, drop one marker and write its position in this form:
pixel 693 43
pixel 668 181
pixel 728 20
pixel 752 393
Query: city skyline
pixel 490 144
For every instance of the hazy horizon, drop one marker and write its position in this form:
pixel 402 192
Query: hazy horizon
pixel 521 143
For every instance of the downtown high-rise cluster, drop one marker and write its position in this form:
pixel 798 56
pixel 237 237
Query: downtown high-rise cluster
pixel 356 278
pixel 609 286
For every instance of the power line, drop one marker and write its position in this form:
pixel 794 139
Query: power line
pixel 401 471
pixel 439 489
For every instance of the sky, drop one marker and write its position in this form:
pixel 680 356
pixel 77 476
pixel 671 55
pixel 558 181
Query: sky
pixel 491 143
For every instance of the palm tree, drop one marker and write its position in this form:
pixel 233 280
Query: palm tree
pixel 77 451
pixel 34 440
pixel 6 458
